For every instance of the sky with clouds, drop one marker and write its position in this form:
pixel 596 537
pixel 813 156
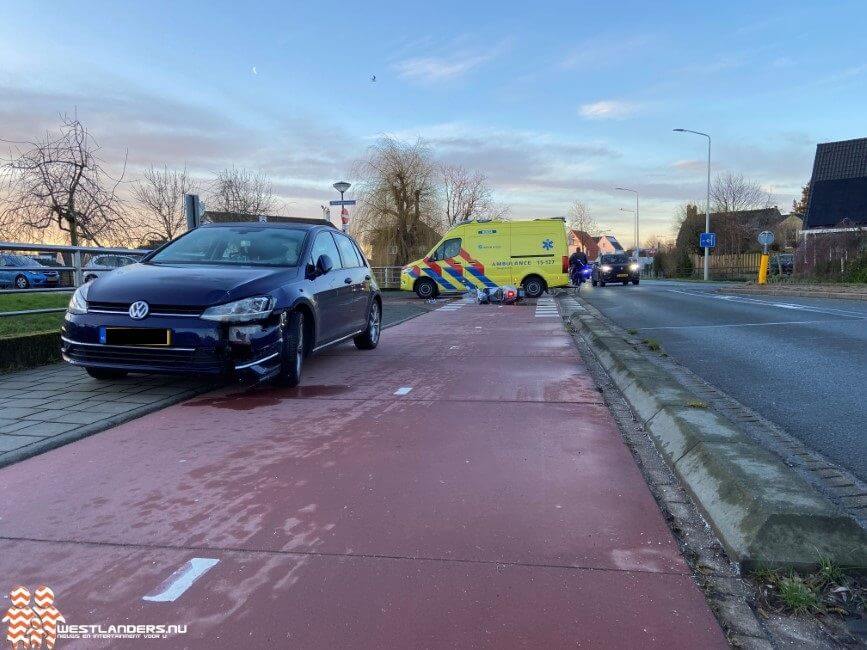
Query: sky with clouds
pixel 552 101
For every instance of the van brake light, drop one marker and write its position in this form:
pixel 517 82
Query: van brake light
pixel 565 264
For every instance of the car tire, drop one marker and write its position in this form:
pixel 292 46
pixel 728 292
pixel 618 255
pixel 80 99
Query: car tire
pixel 601 282
pixel 626 283
pixel 635 281
pixel 369 339
pixel 106 374
pixel 533 286
pixel 426 289
pixel 593 282
pixel 292 354
pixel 21 282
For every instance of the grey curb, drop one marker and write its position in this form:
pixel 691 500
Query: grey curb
pixel 764 513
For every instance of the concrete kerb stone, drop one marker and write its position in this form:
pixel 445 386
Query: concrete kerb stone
pixel 762 511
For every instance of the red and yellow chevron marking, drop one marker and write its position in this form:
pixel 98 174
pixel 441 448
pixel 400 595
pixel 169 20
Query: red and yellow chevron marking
pixel 43 596
pixel 23 625
pixel 20 596
pixel 476 263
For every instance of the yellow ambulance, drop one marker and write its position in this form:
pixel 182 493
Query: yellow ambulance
pixel 491 253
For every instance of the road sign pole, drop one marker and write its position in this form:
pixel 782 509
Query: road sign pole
pixel 707 216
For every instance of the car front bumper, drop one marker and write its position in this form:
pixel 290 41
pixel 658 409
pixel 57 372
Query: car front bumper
pixel 198 347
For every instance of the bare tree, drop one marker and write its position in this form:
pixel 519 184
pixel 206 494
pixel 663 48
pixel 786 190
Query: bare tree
pixel 241 191
pixel 60 181
pixel 160 194
pixel 579 218
pixel 397 211
pixel 732 193
pixel 465 194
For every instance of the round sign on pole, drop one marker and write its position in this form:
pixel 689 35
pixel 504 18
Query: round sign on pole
pixel 766 238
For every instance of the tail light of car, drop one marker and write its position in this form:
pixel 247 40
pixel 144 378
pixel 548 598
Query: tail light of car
pixel 565 264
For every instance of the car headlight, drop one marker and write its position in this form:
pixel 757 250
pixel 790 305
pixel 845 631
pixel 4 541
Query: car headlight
pixel 633 267
pixel 241 310
pixel 78 302
pixel 605 268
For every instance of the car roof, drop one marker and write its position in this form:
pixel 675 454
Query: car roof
pixel 285 222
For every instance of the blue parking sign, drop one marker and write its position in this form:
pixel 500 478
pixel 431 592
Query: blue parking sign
pixel 707 240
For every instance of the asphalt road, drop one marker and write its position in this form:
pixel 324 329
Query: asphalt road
pixel 799 362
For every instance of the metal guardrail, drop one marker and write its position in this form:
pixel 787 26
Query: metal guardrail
pixel 387 277
pixel 70 275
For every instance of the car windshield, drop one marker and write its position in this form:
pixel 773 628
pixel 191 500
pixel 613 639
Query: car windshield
pixel 615 259
pixel 235 245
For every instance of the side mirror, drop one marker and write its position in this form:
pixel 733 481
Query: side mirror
pixel 324 264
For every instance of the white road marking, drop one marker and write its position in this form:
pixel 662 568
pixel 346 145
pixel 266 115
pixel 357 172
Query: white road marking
pixel 181 580
pixel 754 301
pixel 784 322
pixel 545 308
pixel 403 390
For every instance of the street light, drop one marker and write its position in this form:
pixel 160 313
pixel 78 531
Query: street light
pixel 707 204
pixel 342 186
pixel 626 189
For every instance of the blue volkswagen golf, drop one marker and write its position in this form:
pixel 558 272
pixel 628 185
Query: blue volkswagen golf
pixel 245 299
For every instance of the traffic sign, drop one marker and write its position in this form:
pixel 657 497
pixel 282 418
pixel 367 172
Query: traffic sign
pixel 342 202
pixel 707 240
pixel 766 238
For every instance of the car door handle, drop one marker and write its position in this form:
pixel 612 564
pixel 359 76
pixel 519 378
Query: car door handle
pixel 348 281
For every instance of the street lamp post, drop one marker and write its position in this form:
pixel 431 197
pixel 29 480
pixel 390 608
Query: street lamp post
pixel 707 203
pixel 341 187
pixel 637 243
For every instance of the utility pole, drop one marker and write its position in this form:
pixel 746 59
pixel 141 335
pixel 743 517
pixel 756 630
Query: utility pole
pixel 637 242
pixel 707 203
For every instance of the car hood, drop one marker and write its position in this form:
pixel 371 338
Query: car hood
pixel 187 284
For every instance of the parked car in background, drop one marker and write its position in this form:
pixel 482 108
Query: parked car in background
pixel 250 300
pixel 782 264
pixel 615 267
pixel 102 264
pixel 20 272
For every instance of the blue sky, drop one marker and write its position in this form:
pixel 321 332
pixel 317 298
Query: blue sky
pixel 552 101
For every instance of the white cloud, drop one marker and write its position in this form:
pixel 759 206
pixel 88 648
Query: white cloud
pixel 429 69
pixel 607 110
pixel 689 165
pixel 605 50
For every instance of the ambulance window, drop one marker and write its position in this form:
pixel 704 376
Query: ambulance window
pixel 448 249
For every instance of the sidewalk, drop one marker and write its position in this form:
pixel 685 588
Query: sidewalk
pixel 460 486
pixel 43 408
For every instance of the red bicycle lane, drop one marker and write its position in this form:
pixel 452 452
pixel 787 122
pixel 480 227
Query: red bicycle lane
pixel 461 485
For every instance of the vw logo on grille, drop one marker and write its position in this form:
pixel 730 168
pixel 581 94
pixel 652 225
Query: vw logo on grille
pixel 138 310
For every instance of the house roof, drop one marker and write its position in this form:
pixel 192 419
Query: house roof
pixel 838 187
pixel 587 242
